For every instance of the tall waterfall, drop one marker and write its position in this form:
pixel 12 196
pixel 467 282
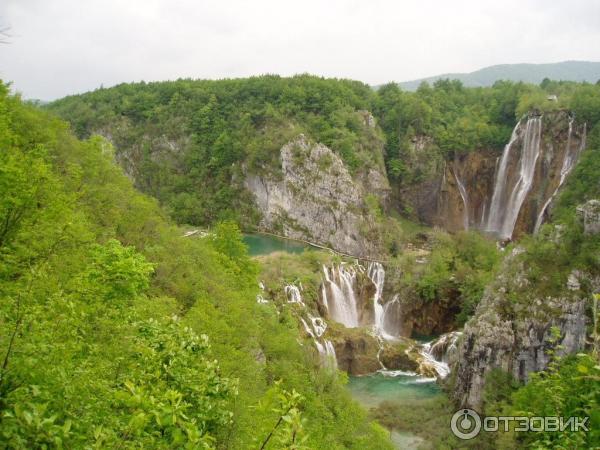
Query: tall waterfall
pixel 463 194
pixel 496 213
pixel 509 197
pixel 569 161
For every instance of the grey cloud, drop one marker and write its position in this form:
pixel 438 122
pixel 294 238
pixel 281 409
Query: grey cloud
pixel 67 46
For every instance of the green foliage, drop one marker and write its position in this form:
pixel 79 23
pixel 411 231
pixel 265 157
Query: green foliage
pixel 569 388
pixel 105 311
pixel 458 269
pixel 189 142
pixel 288 428
pixel 116 272
pixel 179 393
pixel 227 239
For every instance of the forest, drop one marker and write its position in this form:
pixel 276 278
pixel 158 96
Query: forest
pixel 117 332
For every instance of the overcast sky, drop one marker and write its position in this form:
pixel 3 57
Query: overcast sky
pixel 60 47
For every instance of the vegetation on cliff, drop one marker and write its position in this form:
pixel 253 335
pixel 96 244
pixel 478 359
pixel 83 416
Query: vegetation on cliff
pixel 118 332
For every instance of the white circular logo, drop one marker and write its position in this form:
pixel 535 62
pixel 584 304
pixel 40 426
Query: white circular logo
pixel 465 424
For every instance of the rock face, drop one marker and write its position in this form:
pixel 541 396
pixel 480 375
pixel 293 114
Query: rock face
pixel 398 356
pixel 513 331
pixel 589 214
pixel 458 194
pixel 438 200
pixel 428 318
pixel 317 199
pixel 356 352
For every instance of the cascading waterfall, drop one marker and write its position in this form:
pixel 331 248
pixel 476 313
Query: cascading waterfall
pixel 339 296
pixel 569 162
pixel 315 330
pixel 505 207
pixel 259 297
pixel 438 352
pixel 293 294
pixel 463 194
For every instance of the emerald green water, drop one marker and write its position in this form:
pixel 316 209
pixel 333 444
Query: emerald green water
pixel 260 244
pixel 371 390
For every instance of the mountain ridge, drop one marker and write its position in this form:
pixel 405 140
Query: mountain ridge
pixel 527 72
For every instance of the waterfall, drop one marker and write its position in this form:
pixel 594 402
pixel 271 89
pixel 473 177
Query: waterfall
pixel 392 318
pixel 483 215
pixel 438 352
pixel 293 294
pixel 376 274
pixel 463 194
pixel 339 296
pixel 318 324
pixel 330 356
pixel 496 206
pixel 259 297
pixel 315 330
pixel 442 368
pixel 445 347
pixel 568 163
pixel 504 223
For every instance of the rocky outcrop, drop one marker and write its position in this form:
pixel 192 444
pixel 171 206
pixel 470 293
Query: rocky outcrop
pixel 516 330
pixel 589 215
pixel 356 351
pixel 398 356
pixel 316 198
pixel 427 318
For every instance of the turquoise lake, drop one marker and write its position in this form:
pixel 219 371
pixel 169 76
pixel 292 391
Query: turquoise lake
pixel 261 244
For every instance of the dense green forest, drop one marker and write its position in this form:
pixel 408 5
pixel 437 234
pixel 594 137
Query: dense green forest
pixel 116 332
pixel 186 142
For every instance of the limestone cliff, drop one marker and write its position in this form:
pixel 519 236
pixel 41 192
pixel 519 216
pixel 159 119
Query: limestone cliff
pixel 316 198
pixel 512 330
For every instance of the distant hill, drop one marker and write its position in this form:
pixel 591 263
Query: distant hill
pixel 530 73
